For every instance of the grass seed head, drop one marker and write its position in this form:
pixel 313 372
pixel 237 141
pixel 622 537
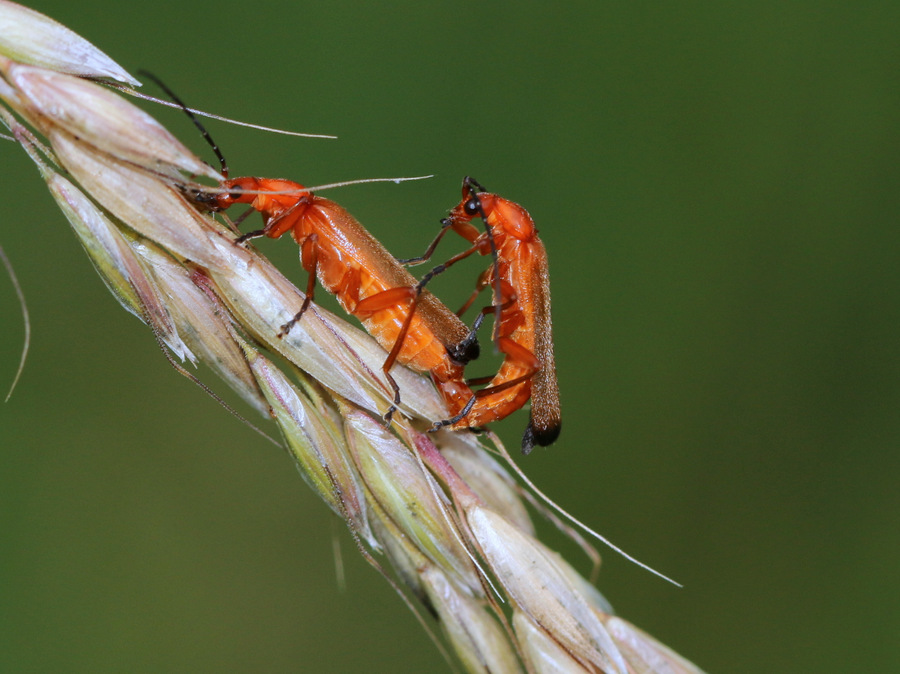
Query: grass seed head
pixel 452 523
pixel 30 37
pixel 103 119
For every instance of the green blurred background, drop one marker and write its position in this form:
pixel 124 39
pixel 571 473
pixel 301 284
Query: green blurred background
pixel 717 187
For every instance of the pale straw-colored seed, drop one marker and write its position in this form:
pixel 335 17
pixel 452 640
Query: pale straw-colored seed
pixel 590 593
pixel 645 654
pixel 406 560
pixel 109 250
pixel 9 94
pixel 541 653
pixel 101 118
pixel 469 622
pixel 149 206
pixel 485 476
pixel 537 587
pixel 477 637
pixel 408 496
pixel 28 36
pixel 201 321
pixel 316 443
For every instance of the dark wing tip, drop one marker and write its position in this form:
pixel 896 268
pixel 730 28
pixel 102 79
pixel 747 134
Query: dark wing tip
pixel 541 436
pixel 465 351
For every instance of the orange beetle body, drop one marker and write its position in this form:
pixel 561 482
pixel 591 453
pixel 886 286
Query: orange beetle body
pixel 523 332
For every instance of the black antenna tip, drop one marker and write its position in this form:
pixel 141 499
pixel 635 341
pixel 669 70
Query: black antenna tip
pixel 171 94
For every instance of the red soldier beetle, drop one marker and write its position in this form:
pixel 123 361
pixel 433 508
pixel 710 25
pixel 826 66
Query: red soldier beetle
pixel 522 327
pixel 410 322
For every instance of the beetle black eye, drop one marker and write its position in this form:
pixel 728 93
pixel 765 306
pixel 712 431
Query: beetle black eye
pixel 235 194
pixel 472 206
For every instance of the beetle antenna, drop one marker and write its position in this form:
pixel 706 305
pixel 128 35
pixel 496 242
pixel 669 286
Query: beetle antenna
pixel 171 94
